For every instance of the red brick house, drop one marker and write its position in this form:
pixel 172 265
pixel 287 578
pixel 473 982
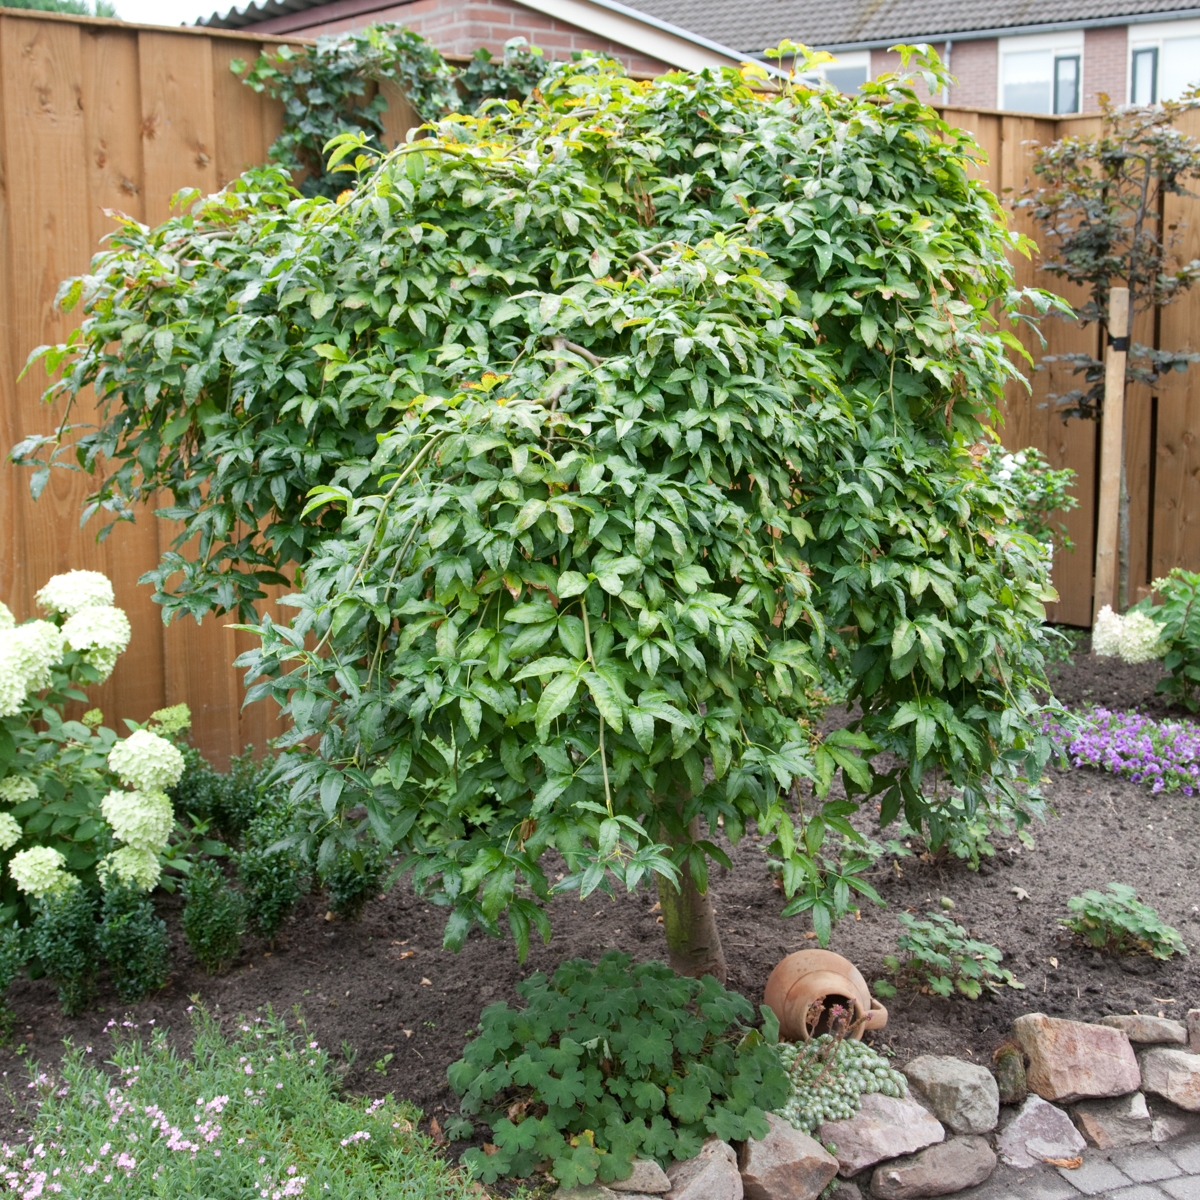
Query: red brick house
pixel 1056 57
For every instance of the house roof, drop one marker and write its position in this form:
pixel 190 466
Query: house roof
pixel 843 23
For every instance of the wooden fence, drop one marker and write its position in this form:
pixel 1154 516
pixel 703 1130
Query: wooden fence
pixel 99 115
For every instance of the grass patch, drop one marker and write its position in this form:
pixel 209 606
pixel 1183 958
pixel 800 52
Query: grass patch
pixel 256 1115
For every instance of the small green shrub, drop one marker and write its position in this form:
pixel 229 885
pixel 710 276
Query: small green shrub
pixel 64 939
pixel 1118 922
pixel 1178 617
pixel 608 1062
pixel 14 951
pixel 227 801
pixel 353 879
pixel 1035 490
pixel 133 939
pixel 214 917
pixel 829 1076
pixel 939 956
pixel 273 880
pixel 259 1112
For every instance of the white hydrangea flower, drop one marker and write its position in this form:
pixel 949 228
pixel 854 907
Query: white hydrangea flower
pixel 101 633
pixel 1139 640
pixel 27 652
pixel 16 789
pixel 75 590
pixel 1106 633
pixel 10 831
pixel 172 720
pixel 145 760
pixel 39 871
pixel 7 620
pixel 139 867
pixel 143 820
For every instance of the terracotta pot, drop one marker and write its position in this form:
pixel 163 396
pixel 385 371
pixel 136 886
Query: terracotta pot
pixel 819 977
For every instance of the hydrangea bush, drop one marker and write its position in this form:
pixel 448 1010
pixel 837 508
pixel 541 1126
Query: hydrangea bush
pixel 1133 637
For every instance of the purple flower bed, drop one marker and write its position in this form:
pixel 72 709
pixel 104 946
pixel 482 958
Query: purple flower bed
pixel 1164 754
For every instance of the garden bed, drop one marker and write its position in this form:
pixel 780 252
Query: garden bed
pixel 366 984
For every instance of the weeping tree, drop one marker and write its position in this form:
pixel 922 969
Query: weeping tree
pixel 608 432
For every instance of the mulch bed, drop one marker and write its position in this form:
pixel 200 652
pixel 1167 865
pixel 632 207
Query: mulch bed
pixel 384 985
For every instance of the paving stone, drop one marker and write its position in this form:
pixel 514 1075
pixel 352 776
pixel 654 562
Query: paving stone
pixel 1144 1164
pixel 1144 1029
pixel 1186 1154
pixel 962 1095
pixel 1095 1177
pixel 1139 1191
pixel 1073 1060
pixel 1186 1187
pixel 1172 1074
pixel 1049 1187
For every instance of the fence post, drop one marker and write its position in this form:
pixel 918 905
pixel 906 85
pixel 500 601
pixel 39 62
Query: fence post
pixel 1111 451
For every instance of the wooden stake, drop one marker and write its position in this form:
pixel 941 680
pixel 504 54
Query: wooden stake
pixel 1112 432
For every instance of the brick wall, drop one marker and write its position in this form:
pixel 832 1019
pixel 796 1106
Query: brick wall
pixel 974 64
pixel 1105 65
pixel 461 27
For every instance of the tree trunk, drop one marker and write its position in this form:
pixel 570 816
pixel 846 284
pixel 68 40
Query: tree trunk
pixel 693 943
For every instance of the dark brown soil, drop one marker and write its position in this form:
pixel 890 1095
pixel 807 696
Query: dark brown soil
pixel 385 987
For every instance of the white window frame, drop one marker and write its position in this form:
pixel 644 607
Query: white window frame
pixel 1150 36
pixel 847 58
pixel 1066 44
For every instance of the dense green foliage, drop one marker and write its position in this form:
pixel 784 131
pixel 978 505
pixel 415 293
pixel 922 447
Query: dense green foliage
pixel 214 917
pixel 64 940
pixel 1117 921
pixel 938 955
pixel 1178 615
pixel 227 801
pixel 1039 492
pixel 133 939
pixel 273 875
pixel 333 87
pixel 252 1112
pixel 828 1077
pixel 352 879
pixel 677 384
pixel 609 1062
pixel 14 951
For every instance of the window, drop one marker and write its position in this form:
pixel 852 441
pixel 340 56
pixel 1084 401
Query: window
pixel 849 72
pixel 1042 74
pixel 1164 60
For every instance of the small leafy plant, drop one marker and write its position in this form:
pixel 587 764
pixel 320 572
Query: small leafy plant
pixel 609 1062
pixel 938 956
pixel 214 917
pixel 257 1112
pixel 1178 618
pixel 14 950
pixel 273 877
pixel 829 1076
pixel 352 879
pixel 64 939
pixel 133 939
pixel 1118 922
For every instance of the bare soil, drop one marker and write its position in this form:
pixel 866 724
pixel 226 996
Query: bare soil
pixel 384 986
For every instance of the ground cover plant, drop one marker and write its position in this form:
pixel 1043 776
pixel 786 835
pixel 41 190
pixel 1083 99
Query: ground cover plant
pixel 608 1062
pixel 937 954
pixel 1117 921
pixel 252 1112
pixel 664 428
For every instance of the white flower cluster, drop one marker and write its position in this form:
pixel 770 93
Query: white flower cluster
pixel 1133 638
pixel 39 871
pixel 74 591
pixel 146 761
pixel 1009 465
pixel 139 867
pixel 100 633
pixel 10 831
pixel 16 789
pixel 829 1080
pixel 27 652
pixel 143 820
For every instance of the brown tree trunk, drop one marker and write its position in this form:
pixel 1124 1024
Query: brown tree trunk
pixel 693 943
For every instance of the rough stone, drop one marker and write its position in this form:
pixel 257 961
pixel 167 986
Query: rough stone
pixel 845 1190
pixel 939 1171
pixel 1193 1028
pixel 883 1127
pixel 1148 1030
pixel 1038 1131
pixel 962 1095
pixel 1108 1124
pixel 711 1175
pixel 785 1165
pixel 593 1191
pixel 1174 1075
pixel 1010 1073
pixel 648 1177
pixel 1073 1060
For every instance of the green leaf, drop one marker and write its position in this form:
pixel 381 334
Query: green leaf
pixel 555 700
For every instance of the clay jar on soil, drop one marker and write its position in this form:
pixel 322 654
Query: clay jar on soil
pixel 813 981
